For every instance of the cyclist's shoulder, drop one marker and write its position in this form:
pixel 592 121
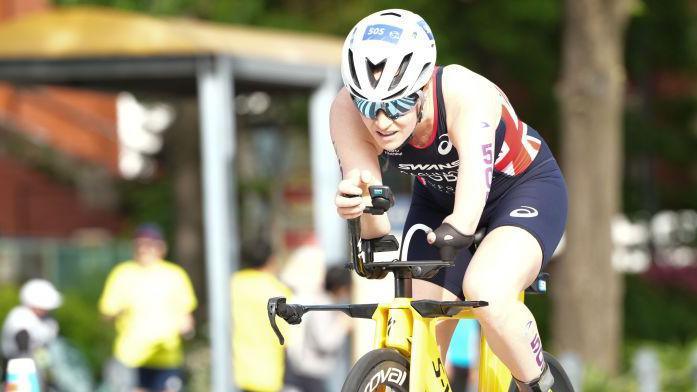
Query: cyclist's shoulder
pixel 460 78
pixel 465 91
pixel 456 75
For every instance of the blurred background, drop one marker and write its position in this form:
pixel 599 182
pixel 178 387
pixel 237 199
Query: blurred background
pixel 209 118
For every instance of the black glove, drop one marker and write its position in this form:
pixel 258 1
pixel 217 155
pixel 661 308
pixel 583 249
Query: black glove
pixel 449 241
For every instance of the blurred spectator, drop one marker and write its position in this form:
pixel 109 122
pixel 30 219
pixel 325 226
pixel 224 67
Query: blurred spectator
pixel 29 329
pixel 257 357
pixel 314 352
pixel 151 301
pixel 305 270
pixel 463 356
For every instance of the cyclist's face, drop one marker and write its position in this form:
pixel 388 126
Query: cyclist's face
pixel 391 133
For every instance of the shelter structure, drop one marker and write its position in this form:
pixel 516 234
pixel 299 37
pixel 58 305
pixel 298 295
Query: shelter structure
pixel 103 48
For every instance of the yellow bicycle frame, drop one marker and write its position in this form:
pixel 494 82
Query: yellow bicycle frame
pixel 399 326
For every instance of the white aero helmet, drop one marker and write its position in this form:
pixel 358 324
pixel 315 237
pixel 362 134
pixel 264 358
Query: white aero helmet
pixel 396 44
pixel 40 294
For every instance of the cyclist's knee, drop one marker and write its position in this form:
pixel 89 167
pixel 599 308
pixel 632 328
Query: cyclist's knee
pixel 490 290
pixel 496 315
pixel 499 308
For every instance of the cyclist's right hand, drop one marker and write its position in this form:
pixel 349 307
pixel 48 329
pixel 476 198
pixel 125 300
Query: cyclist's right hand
pixel 355 184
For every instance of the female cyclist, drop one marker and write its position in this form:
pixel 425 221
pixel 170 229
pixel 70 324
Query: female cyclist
pixel 476 166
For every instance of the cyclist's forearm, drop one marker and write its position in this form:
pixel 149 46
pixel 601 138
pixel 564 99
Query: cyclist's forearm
pixel 374 226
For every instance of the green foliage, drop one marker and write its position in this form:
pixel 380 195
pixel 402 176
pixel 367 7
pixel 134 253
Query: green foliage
pixel 149 201
pixel 676 369
pixel 82 325
pixel 9 298
pixel 661 53
pixel 658 313
pixel 595 380
pixel 198 365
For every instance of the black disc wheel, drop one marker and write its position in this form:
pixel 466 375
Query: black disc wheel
pixel 382 370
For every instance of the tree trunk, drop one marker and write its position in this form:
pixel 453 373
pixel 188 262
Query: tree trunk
pixel 587 292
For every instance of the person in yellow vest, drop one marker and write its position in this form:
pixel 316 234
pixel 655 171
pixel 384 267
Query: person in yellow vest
pixel 151 301
pixel 258 358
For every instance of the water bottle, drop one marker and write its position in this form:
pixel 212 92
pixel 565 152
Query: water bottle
pixel 22 376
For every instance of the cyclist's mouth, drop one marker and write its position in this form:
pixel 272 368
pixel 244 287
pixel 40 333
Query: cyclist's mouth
pixel 386 135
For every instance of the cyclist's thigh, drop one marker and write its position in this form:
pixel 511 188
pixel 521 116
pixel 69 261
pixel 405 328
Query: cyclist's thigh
pixel 523 229
pixel 538 205
pixel 424 210
pixel 506 261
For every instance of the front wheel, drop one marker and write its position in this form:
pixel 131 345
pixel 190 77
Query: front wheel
pixel 561 380
pixel 379 370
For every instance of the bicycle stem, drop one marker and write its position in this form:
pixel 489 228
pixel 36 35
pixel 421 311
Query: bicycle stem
pixel 402 278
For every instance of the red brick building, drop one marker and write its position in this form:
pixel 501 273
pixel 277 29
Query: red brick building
pixel 49 138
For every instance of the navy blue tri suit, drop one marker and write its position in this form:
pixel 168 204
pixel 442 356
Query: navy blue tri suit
pixel 527 188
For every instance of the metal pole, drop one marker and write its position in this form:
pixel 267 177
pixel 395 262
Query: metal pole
pixel 215 98
pixel 329 228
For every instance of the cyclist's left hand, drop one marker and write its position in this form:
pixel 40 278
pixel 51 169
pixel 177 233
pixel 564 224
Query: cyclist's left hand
pixel 449 240
pixel 431 236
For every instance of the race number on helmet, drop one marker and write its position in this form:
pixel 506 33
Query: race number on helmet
pixel 388 55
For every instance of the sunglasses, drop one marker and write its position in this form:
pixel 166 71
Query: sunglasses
pixel 393 109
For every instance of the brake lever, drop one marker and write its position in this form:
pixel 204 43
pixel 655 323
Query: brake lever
pixel 272 308
pixel 291 313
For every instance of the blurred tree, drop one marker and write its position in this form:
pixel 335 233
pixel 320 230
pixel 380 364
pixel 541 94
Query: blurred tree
pixel 661 123
pixel 587 305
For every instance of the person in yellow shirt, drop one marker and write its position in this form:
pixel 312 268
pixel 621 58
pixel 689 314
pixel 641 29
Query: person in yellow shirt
pixel 151 301
pixel 258 358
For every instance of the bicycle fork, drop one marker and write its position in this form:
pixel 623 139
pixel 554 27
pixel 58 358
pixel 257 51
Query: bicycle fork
pixel 399 327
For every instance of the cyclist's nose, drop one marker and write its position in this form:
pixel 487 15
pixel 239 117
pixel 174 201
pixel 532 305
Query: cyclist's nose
pixel 382 121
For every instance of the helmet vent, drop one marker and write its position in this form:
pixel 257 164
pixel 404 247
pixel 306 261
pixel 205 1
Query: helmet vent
pixel 355 93
pixel 352 68
pixel 375 69
pixel 423 70
pixel 391 14
pixel 398 93
pixel 400 71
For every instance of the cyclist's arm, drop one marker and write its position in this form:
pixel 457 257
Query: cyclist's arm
pixel 355 150
pixel 474 110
